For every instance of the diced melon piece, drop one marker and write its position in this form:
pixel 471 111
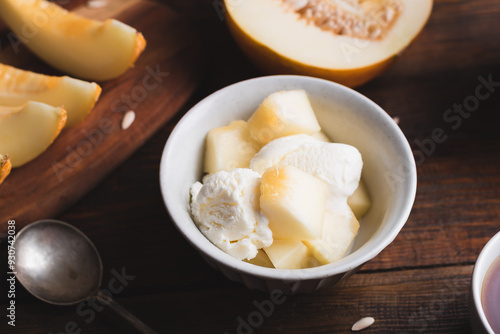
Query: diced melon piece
pixel 282 114
pixel 229 147
pixel 310 261
pixel 5 167
pixel 261 259
pixel 322 137
pixel 339 229
pixel 360 200
pixel 294 201
pixel 27 131
pixel 288 254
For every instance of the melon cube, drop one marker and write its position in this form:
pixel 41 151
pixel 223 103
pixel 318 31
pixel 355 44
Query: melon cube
pixel 288 254
pixel 339 229
pixel 282 114
pixel 360 201
pixel 294 201
pixel 229 147
pixel 261 259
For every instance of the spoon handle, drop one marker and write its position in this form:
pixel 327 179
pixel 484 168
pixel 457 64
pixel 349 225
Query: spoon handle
pixel 120 310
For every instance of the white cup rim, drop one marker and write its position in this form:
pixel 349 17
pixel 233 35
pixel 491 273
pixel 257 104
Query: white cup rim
pixel 478 277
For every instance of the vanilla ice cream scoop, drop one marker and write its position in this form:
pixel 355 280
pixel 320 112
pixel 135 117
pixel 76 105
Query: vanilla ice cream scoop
pixel 339 165
pixel 226 210
pixel 271 154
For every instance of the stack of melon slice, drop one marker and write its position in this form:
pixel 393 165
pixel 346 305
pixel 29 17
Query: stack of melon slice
pixel 34 108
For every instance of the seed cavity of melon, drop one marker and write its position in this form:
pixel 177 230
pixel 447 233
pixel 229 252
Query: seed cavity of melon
pixel 346 41
pixel 365 19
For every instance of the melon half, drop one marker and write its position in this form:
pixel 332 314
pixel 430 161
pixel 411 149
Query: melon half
pixel 347 41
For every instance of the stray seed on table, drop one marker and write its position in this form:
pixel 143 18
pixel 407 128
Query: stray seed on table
pixel 396 119
pixel 362 324
pixel 128 119
pixel 97 3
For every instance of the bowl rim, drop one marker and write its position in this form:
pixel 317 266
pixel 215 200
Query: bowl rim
pixel 324 271
pixel 477 280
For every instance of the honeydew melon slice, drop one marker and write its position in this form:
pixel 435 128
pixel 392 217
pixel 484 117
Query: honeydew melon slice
pixel 18 87
pixel 79 46
pixel 349 42
pixel 28 130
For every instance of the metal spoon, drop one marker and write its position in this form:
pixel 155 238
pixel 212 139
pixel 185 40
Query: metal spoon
pixel 58 264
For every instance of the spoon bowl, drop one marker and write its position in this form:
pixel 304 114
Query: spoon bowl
pixel 57 263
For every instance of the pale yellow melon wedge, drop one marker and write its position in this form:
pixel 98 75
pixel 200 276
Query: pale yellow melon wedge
pixel 5 167
pixel 229 147
pixel 18 87
pixel 81 47
pixel 359 201
pixel 28 130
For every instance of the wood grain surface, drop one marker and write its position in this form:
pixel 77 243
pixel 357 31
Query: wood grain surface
pixel 418 284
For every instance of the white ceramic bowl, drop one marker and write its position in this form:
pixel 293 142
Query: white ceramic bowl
pixel 345 116
pixel 490 252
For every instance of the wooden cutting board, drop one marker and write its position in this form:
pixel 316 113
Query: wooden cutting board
pixel 162 80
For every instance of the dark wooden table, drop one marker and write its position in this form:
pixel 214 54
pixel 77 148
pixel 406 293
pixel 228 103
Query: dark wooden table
pixel 419 284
